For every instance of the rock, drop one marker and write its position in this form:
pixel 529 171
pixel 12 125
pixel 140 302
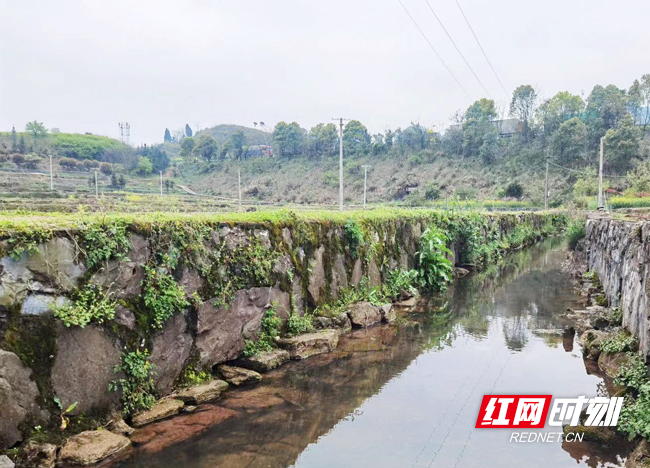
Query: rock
pixel 357 273
pixel 124 317
pixel 5 462
pixel 262 236
pixel 39 304
pixel 264 362
pixel 407 303
pixel 18 394
pixel 234 237
pixel 611 364
pixel 159 435
pixel 55 262
pixel 286 237
pixel 189 409
pixel 310 344
pixel 191 281
pixel 341 321
pixel 161 409
pixel 364 314
pixel 460 272
pixel 590 342
pixel 221 331
pixel 37 455
pixel 118 426
pixel 171 348
pixel 317 279
pixel 91 447
pixel 374 274
pixel 202 393
pixel 339 276
pixel 83 368
pixel 640 457
pixel 387 312
pixel 123 277
pixel 238 375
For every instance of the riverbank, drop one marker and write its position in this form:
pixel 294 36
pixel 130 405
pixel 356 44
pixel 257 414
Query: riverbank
pixel 165 299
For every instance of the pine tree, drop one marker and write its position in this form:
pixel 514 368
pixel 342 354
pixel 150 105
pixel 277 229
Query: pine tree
pixel 168 136
pixel 14 138
pixel 22 147
pixel 188 131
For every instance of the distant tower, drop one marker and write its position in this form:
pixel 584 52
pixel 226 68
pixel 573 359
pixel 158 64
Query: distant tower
pixel 125 132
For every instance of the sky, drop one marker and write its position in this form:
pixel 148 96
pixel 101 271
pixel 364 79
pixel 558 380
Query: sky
pixel 83 66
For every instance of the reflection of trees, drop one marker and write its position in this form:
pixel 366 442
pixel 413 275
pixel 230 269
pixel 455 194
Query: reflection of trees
pixel 515 332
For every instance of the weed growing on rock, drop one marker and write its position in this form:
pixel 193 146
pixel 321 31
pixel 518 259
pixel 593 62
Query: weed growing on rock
pixel 26 241
pixel 434 269
pixel 89 305
pixel 192 376
pixel 353 235
pixel 105 241
pixel 297 324
pixel 634 374
pixel 401 282
pixel 621 341
pixel 269 330
pixel 575 232
pixel 163 296
pixel 137 386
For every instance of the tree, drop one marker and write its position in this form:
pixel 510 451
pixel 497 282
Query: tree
pixel 106 168
pixel 168 136
pixel 237 143
pixel 569 142
pixel 157 155
pixel 37 129
pixel 514 190
pixel 560 108
pixel 188 131
pixel 605 107
pixel 523 105
pixel 289 138
pixel 489 145
pixel 483 109
pixel 187 147
pixel 22 147
pixel 322 140
pixel 144 167
pixel 622 144
pixel 206 147
pixel 639 179
pixel 14 140
pixel 356 139
pixel 413 137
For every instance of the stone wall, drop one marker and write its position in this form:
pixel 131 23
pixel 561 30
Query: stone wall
pixel 619 251
pixel 231 273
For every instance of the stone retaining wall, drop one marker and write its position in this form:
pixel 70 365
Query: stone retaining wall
pixel 293 263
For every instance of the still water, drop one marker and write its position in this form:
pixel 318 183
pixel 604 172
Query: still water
pixel 406 396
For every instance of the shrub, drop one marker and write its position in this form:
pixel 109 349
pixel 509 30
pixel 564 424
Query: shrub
pixel 89 305
pixel 634 374
pixel 398 281
pixel 266 336
pixel 297 324
pixel 89 164
pixel 163 296
pixel 144 167
pixel 575 232
pixel 621 341
pixel 104 242
pixel 69 164
pixel 467 193
pixel 432 192
pixel 514 189
pixel 106 168
pixel 353 235
pixel 137 386
pixel 18 159
pixel 434 269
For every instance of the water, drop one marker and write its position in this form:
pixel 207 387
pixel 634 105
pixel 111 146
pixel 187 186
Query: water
pixel 407 396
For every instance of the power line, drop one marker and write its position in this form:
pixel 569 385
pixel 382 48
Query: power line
pixel 585 173
pixel 457 49
pixel 434 49
pixel 481 47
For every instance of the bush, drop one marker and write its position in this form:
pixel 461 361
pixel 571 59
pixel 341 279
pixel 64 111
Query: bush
pixel 163 296
pixel 297 324
pixel 104 242
pixel 621 341
pixel 353 235
pixel 144 167
pixel 575 232
pixel 106 168
pixel 89 305
pixel 138 386
pixel 401 281
pixel 90 164
pixel 18 159
pixel 69 164
pixel 514 189
pixel 266 336
pixel 434 269
pixel 432 192
pixel 466 193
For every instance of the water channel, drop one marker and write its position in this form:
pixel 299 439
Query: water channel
pixel 406 396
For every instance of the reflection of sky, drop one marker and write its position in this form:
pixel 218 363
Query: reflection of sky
pixel 426 415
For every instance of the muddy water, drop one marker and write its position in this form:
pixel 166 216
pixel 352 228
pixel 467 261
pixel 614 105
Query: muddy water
pixel 406 396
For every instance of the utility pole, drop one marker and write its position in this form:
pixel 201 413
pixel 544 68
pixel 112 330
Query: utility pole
pixel 365 179
pixel 340 119
pixel 239 184
pixel 546 184
pixel 161 184
pixel 96 186
pixel 601 205
pixel 51 176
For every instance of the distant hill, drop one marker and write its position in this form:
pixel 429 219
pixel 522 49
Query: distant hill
pixel 222 132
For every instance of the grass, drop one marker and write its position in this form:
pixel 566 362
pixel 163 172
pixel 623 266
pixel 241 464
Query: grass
pixel 629 202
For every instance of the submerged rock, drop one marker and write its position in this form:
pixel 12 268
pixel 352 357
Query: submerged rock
pixel 387 312
pixel 202 393
pixel 18 393
pixel 310 344
pixel 263 362
pixel 364 314
pixel 37 455
pixel 238 375
pixel 91 447
pixel 161 409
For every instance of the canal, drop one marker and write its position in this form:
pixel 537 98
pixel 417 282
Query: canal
pixel 408 395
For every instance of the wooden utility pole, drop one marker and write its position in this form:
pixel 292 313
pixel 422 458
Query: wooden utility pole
pixel 546 185
pixel 601 204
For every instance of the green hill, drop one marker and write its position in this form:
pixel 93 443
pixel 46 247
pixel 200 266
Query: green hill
pixel 221 133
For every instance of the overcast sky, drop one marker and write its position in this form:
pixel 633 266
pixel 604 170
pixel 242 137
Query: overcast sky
pixel 83 66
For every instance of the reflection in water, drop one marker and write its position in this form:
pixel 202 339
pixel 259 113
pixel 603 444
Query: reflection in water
pixel 408 395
